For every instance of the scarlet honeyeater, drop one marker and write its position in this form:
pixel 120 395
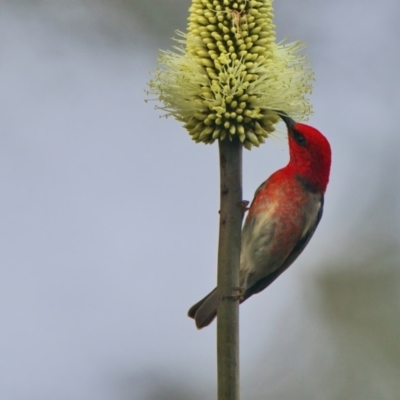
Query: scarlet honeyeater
pixel 282 218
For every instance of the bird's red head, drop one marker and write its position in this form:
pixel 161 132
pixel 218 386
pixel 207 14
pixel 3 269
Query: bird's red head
pixel 310 154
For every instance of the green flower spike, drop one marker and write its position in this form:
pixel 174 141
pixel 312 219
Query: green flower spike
pixel 227 76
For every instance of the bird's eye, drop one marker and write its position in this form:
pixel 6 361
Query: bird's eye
pixel 300 139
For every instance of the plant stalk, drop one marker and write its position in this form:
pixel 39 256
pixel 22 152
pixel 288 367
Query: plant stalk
pixel 231 215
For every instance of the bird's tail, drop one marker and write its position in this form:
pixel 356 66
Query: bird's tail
pixel 204 311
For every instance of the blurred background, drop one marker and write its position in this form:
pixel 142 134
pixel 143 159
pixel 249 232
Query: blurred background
pixel 109 214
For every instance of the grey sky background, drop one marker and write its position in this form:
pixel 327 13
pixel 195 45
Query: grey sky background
pixel 109 214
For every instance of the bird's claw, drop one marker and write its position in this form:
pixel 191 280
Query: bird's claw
pixel 243 205
pixel 237 294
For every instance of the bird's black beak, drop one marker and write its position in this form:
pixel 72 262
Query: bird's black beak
pixel 287 120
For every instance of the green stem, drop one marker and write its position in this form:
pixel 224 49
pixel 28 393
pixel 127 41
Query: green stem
pixel 231 215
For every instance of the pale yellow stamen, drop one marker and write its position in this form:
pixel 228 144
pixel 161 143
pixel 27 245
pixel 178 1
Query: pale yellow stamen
pixel 227 77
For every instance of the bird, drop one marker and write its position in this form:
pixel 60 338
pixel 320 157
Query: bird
pixel 282 217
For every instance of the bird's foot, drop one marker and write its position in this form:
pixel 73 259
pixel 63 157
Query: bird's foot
pixel 243 205
pixel 237 294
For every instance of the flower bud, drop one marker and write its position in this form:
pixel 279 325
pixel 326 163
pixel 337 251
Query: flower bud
pixel 228 76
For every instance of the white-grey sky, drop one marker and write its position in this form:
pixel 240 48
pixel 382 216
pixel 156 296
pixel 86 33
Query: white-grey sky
pixel 109 215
